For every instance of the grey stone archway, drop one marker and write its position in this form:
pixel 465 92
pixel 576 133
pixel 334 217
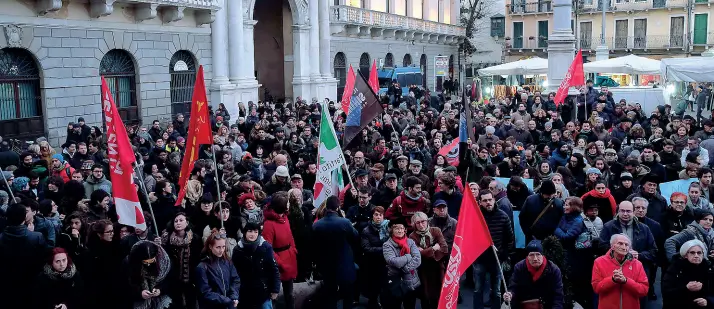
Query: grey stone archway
pixel 298 8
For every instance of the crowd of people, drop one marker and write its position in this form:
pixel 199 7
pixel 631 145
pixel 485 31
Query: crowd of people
pixel 593 227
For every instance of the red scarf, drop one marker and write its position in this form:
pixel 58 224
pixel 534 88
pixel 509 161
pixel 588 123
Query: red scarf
pixel 606 195
pixel 536 273
pixel 403 245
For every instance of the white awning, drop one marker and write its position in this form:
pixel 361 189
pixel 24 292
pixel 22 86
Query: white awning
pixel 522 67
pixel 692 69
pixel 629 64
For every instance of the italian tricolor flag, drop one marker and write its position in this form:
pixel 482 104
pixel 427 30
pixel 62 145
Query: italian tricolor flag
pixel 329 163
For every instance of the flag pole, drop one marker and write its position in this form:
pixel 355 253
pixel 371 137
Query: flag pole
pixel 218 185
pixel 143 188
pixel 500 269
pixel 9 190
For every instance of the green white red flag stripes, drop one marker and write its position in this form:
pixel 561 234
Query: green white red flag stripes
pixel 329 163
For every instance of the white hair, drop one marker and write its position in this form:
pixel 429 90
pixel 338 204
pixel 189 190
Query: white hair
pixel 640 199
pixel 419 215
pixel 690 244
pixel 613 238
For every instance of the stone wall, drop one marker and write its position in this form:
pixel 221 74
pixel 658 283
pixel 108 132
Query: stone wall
pixel 69 60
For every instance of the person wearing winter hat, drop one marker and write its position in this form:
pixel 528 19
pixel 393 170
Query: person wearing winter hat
pixel 489 137
pixel 512 166
pixel 256 267
pixel 535 281
pixel 279 181
pixel 61 168
pixel 400 250
pixel 686 283
pixel 541 212
pixel 701 228
pixel 21 184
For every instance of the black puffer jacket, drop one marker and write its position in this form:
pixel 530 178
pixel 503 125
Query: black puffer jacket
pixel 59 288
pixel 675 294
pixel 501 232
pixel 258 272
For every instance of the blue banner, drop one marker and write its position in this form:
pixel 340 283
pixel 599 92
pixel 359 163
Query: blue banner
pixel 667 188
pixel 528 182
pixel 518 231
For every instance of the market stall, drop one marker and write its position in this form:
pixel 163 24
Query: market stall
pixel 628 70
pixel 692 69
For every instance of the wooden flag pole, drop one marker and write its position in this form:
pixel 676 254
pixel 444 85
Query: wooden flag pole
pixel 148 201
pixel 500 269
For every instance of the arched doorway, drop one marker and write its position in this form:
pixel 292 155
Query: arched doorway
pixel 389 61
pixel 340 72
pixel 273 45
pixel 20 96
pixel 407 60
pixel 118 69
pixel 423 66
pixel 182 69
pixel 365 65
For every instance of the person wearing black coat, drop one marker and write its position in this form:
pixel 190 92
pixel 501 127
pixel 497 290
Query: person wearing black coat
pixel 687 268
pixel 335 239
pixel 59 284
pixel 547 286
pixel 104 259
pixel 361 214
pixel 677 217
pixel 216 277
pixel 546 203
pixel 373 265
pixel 657 203
pixel 22 254
pixel 386 195
pixel 257 269
pixel 183 247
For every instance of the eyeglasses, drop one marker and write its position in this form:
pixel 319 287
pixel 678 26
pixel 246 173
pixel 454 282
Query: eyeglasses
pixel 678 202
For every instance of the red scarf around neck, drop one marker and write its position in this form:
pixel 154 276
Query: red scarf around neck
pixel 403 245
pixel 536 273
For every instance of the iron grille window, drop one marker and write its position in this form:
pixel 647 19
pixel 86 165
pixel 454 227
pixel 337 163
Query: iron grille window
pixel 389 61
pixel 183 77
pixel 422 64
pixel 117 67
pixel 20 97
pixel 407 60
pixel 340 69
pixel 364 65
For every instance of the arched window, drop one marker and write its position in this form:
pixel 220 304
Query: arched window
pixel 423 66
pixel 20 97
pixel 389 61
pixel 340 69
pixel 117 67
pixel 364 65
pixel 183 77
pixel 407 60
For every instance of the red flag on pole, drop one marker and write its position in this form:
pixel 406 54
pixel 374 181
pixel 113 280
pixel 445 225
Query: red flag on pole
pixel 121 158
pixel 451 152
pixel 373 80
pixel 199 132
pixel 349 87
pixel 471 240
pixel 574 77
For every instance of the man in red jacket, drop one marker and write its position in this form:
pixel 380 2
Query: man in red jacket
pixel 618 278
pixel 409 202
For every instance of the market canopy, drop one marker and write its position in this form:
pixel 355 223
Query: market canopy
pixel 692 69
pixel 529 66
pixel 629 64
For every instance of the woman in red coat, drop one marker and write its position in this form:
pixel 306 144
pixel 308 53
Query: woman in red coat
pixel 276 231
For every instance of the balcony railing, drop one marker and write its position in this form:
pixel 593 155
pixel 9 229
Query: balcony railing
pixel 363 17
pixel 636 5
pixel 202 4
pixel 518 7
pixel 635 42
pixel 528 43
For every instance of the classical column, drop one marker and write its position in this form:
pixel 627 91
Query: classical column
pixel 301 61
pixel 314 40
pixel 249 57
pixel 236 41
pixel 325 54
pixel 219 36
pixel 561 44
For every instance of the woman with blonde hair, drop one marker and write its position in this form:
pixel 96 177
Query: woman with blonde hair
pixel 433 249
pixel 216 277
pixel 194 192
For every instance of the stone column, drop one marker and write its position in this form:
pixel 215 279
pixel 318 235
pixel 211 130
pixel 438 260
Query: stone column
pixel 219 50
pixel 301 61
pixel 247 86
pixel 236 41
pixel 249 60
pixel 325 54
pixel 561 44
pixel 314 41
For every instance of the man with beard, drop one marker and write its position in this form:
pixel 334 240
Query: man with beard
pixel 388 193
pixel 657 209
pixel 409 202
pixel 586 134
pixel 80 156
pixel 650 159
pixel 535 134
pixel 75 134
pixel 59 167
pixel 474 166
pixel 96 181
pixel 507 125
pixel 358 161
pixel 693 147
pixel 25 166
pixel 531 159
pixel 415 171
pixel 520 133
pixel 670 159
pixel 521 114
pixel 512 166
pixel 541 212
pixel 555 141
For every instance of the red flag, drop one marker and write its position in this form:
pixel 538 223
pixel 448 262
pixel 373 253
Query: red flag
pixel 451 152
pixel 471 240
pixel 373 80
pixel 199 132
pixel 349 87
pixel 574 77
pixel 121 158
